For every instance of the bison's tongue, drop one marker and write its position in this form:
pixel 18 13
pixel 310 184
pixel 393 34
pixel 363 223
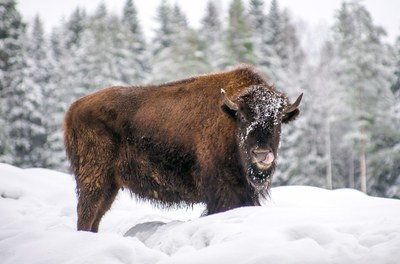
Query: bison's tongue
pixel 269 158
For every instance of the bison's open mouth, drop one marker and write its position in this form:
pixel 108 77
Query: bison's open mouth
pixel 261 168
pixel 262 159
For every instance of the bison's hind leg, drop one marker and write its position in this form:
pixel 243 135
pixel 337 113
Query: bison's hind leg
pixel 93 203
pixel 105 204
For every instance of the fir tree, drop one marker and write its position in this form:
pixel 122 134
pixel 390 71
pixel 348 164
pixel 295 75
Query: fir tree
pixel 96 67
pixel 43 78
pixel 183 56
pixel 40 94
pixel 13 141
pixel 211 35
pixel 275 23
pixel 258 29
pixel 257 16
pixel 74 28
pixel 384 158
pixel 292 53
pixel 268 41
pixel 131 48
pixel 307 144
pixel 130 19
pixel 66 43
pixel 396 84
pixel 67 54
pixel 239 44
pixel 163 34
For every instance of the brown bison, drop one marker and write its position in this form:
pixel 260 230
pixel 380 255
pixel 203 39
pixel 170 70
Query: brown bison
pixel 209 139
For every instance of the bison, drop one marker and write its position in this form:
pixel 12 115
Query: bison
pixel 209 139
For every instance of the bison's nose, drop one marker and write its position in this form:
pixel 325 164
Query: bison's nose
pixel 263 156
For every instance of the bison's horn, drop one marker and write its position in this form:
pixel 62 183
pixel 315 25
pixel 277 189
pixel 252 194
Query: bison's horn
pixel 228 102
pixel 292 107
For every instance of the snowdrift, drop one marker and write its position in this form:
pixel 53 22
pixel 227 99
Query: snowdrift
pixel 297 225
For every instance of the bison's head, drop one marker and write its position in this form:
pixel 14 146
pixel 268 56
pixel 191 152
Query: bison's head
pixel 259 113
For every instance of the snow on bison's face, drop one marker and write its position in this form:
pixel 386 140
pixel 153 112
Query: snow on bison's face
pixel 259 113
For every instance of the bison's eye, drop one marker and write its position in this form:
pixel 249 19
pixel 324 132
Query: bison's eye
pixel 242 118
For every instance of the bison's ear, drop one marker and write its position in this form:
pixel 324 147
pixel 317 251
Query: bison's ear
pixel 292 111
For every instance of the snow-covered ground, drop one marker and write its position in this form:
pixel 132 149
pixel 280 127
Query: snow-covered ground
pixel 297 225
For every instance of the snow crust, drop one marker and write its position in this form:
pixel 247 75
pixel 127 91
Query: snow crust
pixel 297 225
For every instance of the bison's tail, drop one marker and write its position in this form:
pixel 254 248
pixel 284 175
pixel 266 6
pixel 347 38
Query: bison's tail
pixel 70 142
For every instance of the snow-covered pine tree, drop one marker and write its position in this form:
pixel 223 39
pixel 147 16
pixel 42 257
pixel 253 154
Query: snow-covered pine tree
pixel 40 92
pixel 212 35
pixel 257 24
pixel 14 118
pixel 310 147
pixel 95 65
pixel 275 25
pixel 238 39
pixel 364 76
pixel 257 17
pixel 384 158
pixel 75 26
pixel 163 32
pixel 43 73
pixel 162 42
pixel 396 83
pixel 181 56
pixel 391 176
pixel 133 57
pixel 11 61
pixel 293 55
pixel 258 29
pixel 66 43
pixel 187 49
pixel 131 21
pixel 266 34
pixel 276 45
pixel 311 140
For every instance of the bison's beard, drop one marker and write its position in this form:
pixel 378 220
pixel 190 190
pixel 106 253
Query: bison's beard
pixel 260 179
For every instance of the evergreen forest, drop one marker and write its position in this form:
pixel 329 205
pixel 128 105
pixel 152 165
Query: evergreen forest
pixel 348 134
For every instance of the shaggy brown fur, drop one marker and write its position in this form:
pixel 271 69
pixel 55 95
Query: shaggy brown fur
pixel 173 144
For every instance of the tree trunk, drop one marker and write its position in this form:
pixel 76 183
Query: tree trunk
pixel 363 166
pixel 328 157
pixel 352 182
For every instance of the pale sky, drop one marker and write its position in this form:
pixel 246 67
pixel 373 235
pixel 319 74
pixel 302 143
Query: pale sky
pixel 385 13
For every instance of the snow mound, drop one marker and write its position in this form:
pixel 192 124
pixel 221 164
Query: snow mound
pixel 297 225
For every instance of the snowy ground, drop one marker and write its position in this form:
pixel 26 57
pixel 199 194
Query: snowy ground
pixel 298 225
